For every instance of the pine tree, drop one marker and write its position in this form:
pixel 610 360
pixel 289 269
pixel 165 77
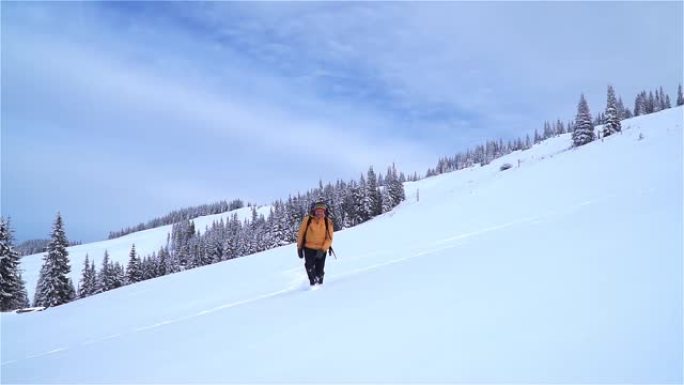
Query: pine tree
pixel 600 119
pixel 650 103
pixel 621 110
pixel 374 193
pixel 92 278
pixel 55 287
pixel 119 275
pixel 395 187
pixel 387 203
pixel 559 128
pixel 547 130
pixel 282 227
pixel 214 251
pixel 162 262
pixel 134 269
pixel 149 267
pixel 349 205
pixel 612 124
pixel 87 286
pixel 363 203
pixel 641 104
pixel 680 96
pixel 232 246
pixel 106 279
pixel 181 235
pixel 201 253
pixel 658 101
pixel 583 128
pixel 664 99
pixel 12 288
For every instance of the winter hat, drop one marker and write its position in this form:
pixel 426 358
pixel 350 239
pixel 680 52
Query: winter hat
pixel 320 205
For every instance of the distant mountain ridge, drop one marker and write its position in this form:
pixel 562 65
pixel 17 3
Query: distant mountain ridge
pixel 182 214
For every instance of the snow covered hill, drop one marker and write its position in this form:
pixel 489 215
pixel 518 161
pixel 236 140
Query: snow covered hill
pixel 566 268
pixel 146 242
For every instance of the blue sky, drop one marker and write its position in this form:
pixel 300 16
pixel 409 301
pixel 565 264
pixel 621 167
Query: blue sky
pixel 115 113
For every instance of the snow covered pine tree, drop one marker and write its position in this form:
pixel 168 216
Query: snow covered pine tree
pixel 583 132
pixel 54 285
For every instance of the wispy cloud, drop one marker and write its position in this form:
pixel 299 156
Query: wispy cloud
pixel 214 100
pixel 460 61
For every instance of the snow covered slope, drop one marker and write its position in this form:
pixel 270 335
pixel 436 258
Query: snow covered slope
pixel 146 242
pixel 565 269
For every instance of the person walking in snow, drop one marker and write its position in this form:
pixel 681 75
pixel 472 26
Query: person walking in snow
pixel 314 240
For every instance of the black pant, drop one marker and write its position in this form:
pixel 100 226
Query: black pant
pixel 314 265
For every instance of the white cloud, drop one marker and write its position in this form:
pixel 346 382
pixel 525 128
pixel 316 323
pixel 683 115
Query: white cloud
pixel 346 85
pixel 480 59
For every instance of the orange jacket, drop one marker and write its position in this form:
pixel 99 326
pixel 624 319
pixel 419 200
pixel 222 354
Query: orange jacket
pixel 315 236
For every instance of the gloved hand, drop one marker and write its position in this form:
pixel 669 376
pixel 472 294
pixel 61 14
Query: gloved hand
pixel 320 253
pixel 300 252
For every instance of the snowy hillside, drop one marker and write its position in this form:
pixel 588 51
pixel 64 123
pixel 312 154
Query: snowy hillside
pixel 566 268
pixel 146 242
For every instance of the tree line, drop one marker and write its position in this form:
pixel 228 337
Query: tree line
pixel 35 246
pixel 350 203
pixel 580 127
pixel 182 214
pixel 584 127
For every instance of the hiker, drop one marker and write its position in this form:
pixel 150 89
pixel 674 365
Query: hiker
pixel 314 239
